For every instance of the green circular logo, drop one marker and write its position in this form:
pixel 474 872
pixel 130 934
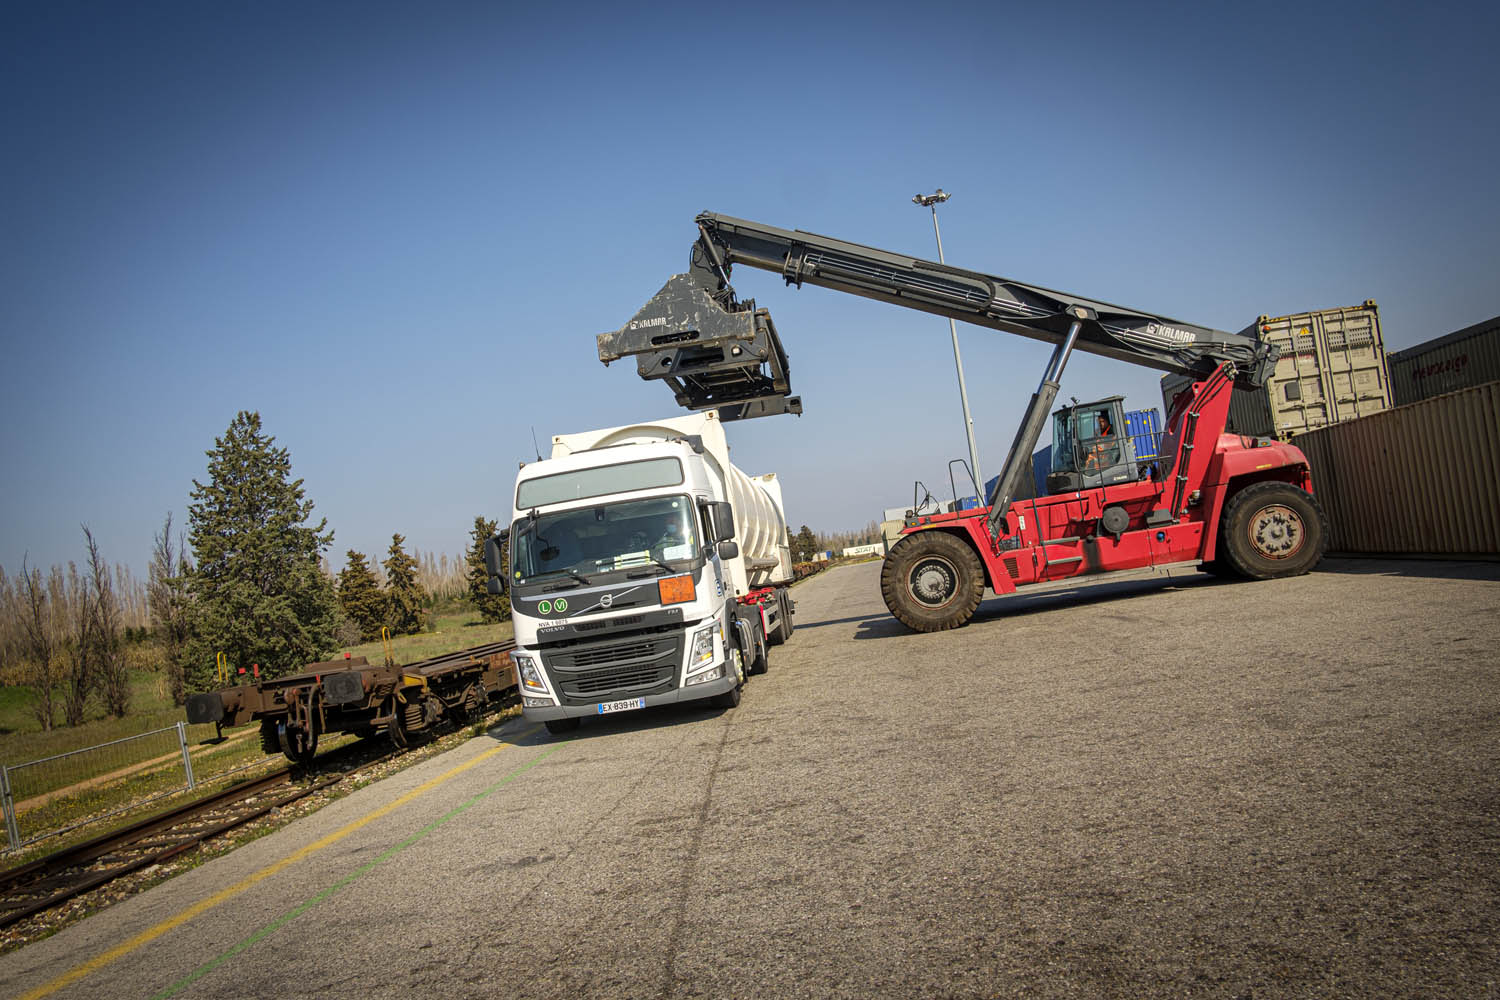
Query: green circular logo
pixel 561 605
pixel 545 607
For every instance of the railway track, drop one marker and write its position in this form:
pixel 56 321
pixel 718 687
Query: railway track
pixel 49 882
pixel 66 874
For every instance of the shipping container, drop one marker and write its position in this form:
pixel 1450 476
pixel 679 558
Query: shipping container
pixel 1419 480
pixel 1144 429
pixel 1467 358
pixel 1332 368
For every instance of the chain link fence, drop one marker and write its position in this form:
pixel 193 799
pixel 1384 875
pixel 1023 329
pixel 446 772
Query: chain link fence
pixel 57 795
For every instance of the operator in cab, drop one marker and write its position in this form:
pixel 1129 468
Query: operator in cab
pixel 1105 451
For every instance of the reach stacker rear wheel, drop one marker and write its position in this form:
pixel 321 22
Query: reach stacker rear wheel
pixel 932 581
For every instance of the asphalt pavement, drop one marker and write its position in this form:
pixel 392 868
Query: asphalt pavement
pixel 1166 786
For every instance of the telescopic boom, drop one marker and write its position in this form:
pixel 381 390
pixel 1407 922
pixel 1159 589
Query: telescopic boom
pixel 718 352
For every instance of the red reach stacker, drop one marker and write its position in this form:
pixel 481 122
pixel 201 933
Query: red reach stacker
pixel 1240 506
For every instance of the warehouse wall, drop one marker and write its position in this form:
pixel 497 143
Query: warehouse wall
pixel 1422 479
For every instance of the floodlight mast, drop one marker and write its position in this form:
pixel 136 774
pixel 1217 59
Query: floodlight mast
pixel 932 201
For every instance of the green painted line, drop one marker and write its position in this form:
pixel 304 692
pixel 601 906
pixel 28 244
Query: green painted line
pixel 344 882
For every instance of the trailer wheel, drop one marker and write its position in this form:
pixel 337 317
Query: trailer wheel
pixel 783 630
pixel 777 635
pixel 1273 530
pixel 931 581
pixel 759 660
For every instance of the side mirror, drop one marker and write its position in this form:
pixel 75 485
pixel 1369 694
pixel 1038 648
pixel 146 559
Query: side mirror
pixel 723 514
pixel 728 550
pixel 495 563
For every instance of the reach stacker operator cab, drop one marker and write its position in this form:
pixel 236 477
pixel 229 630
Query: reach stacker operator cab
pixel 1090 448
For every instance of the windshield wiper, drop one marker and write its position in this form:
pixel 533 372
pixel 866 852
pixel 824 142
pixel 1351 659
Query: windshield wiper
pixel 571 572
pixel 637 576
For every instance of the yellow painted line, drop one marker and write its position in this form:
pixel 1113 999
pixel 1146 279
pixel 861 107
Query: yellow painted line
pixel 202 906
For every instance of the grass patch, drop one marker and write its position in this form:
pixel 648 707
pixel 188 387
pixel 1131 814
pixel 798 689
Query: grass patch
pixel 451 632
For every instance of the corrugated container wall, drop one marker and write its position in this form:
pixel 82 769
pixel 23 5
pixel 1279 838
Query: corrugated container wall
pixel 1422 479
pixel 1460 360
pixel 1143 427
pixel 1332 368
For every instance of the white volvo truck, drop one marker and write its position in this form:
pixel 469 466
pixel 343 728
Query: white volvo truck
pixel 645 570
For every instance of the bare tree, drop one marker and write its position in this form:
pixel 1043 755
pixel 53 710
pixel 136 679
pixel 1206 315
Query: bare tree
pixel 72 641
pixel 104 632
pixel 36 638
pixel 167 597
pixel 12 638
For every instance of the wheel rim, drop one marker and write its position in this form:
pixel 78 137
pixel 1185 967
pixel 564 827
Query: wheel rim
pixel 1277 532
pixel 933 581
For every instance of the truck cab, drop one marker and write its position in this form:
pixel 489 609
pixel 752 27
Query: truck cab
pixel 626 577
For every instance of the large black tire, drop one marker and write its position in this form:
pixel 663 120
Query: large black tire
pixel 1272 530
pixel 932 581
pixel 1220 567
pixel 731 698
pixel 787 625
pixel 783 630
pixel 759 660
pixel 561 727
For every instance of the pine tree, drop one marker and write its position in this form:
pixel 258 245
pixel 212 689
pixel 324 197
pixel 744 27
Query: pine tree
pixel 359 593
pixel 405 600
pixel 806 544
pixel 491 607
pixel 257 593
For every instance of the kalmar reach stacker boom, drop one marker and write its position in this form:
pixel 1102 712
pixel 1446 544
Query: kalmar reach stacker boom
pixel 1239 506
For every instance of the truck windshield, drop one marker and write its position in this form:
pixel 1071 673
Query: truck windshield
pixel 604 538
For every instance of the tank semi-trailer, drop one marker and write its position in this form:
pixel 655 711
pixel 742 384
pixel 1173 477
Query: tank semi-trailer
pixel 359 697
pixel 644 570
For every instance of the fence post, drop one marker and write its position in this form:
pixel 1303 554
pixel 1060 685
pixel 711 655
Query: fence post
pixel 187 760
pixel 12 830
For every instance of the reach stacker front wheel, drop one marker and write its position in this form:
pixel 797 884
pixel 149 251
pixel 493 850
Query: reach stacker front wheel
pixel 1272 530
pixel 932 581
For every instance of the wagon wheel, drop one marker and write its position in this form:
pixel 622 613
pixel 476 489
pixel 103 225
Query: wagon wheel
pixel 475 698
pixel 396 728
pixel 298 744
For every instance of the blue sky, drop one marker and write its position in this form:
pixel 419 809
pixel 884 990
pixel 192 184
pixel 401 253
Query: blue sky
pixel 395 230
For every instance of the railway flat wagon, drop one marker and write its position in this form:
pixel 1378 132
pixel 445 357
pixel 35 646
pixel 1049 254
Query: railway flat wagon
pixel 355 696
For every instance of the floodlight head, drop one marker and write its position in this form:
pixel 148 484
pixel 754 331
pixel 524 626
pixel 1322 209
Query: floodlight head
pixel 936 198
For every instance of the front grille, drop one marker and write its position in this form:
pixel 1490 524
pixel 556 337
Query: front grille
pixel 607 669
pixel 610 680
pixel 613 654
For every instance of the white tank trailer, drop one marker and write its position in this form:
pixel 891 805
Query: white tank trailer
pixel 645 569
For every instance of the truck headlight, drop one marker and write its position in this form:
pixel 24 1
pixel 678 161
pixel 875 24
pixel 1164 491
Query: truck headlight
pixel 526 670
pixel 702 653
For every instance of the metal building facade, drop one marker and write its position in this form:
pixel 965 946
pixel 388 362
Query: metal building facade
pixel 1422 479
pixel 1469 357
